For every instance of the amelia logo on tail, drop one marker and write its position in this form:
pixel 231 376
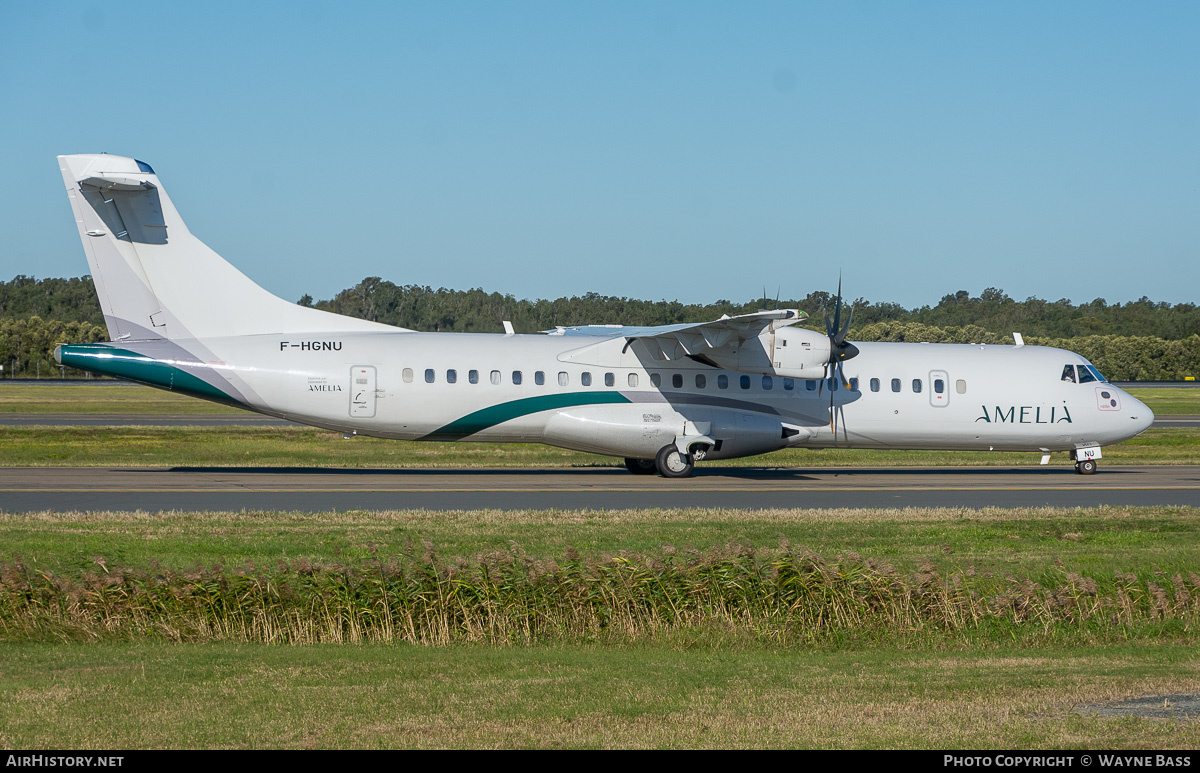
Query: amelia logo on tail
pixel 182 318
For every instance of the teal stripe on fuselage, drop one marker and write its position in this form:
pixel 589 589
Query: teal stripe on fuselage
pixel 123 363
pixel 497 414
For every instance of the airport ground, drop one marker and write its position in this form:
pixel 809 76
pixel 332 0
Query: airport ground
pixel 1047 684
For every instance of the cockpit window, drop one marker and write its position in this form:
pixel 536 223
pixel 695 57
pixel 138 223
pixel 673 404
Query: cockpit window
pixel 1092 369
pixel 1069 373
pixel 1085 375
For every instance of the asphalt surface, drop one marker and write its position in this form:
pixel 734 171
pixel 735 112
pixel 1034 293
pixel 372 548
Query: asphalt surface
pixel 323 489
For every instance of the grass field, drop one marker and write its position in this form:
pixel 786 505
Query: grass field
pixel 16 397
pixel 889 684
pixel 151 695
pixel 1035 543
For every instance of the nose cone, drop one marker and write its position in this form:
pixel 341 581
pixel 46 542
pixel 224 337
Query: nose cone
pixel 1140 415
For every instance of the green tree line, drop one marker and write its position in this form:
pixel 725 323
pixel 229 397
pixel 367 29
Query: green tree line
pixel 1140 339
pixel 1120 358
pixel 477 311
pixel 65 300
pixel 27 345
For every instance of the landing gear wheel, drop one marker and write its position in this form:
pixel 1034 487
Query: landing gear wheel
pixel 640 466
pixel 1085 467
pixel 672 464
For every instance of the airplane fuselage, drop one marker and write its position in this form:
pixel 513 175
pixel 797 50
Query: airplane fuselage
pixel 611 398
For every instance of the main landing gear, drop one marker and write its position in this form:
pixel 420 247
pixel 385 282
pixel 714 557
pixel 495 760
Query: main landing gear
pixel 669 463
pixel 673 464
pixel 640 466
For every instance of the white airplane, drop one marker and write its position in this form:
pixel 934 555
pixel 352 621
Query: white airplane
pixel 181 318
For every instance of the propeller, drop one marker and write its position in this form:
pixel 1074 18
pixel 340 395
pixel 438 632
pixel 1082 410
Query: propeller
pixel 840 350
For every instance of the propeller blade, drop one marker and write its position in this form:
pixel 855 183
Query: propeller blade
pixel 841 334
pixel 832 411
pixel 837 308
pixel 839 352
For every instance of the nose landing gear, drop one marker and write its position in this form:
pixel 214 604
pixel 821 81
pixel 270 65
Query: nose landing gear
pixel 1085 459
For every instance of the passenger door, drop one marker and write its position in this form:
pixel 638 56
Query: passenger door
pixel 939 388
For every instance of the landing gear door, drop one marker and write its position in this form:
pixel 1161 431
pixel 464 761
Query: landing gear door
pixel 362 392
pixel 939 389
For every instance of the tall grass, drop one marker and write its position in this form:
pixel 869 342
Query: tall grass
pixel 783 595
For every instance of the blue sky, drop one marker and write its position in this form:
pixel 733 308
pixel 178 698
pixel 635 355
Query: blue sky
pixel 689 151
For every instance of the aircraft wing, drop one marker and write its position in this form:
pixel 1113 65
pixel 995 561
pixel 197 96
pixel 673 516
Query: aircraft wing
pixel 674 342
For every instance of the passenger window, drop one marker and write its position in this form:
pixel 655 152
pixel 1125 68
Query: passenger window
pixel 655 380
pixel 562 378
pixel 609 379
pixel 473 376
pixel 429 375
pixel 677 380
pixel 407 375
pixel 917 385
pixel 495 377
pixel 700 381
pixel 451 376
pixel 722 381
pixel 960 386
pixel 895 385
pixel 745 382
pixel 810 385
pixel 767 382
pixel 874 385
pixel 789 384
pixel 854 384
pixel 539 377
pixel 585 378
pixel 939 386
pixel 1069 373
pixel 832 383
pixel 633 379
pixel 517 377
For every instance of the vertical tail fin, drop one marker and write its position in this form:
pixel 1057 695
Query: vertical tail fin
pixel 154 278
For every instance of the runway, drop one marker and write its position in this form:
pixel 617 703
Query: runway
pixel 323 489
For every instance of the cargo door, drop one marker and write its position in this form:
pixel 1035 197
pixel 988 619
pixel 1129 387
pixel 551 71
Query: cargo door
pixel 362 392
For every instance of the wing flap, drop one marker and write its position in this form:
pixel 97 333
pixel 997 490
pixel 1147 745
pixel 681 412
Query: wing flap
pixel 676 342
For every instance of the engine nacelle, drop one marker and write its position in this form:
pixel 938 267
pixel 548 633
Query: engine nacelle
pixel 789 352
